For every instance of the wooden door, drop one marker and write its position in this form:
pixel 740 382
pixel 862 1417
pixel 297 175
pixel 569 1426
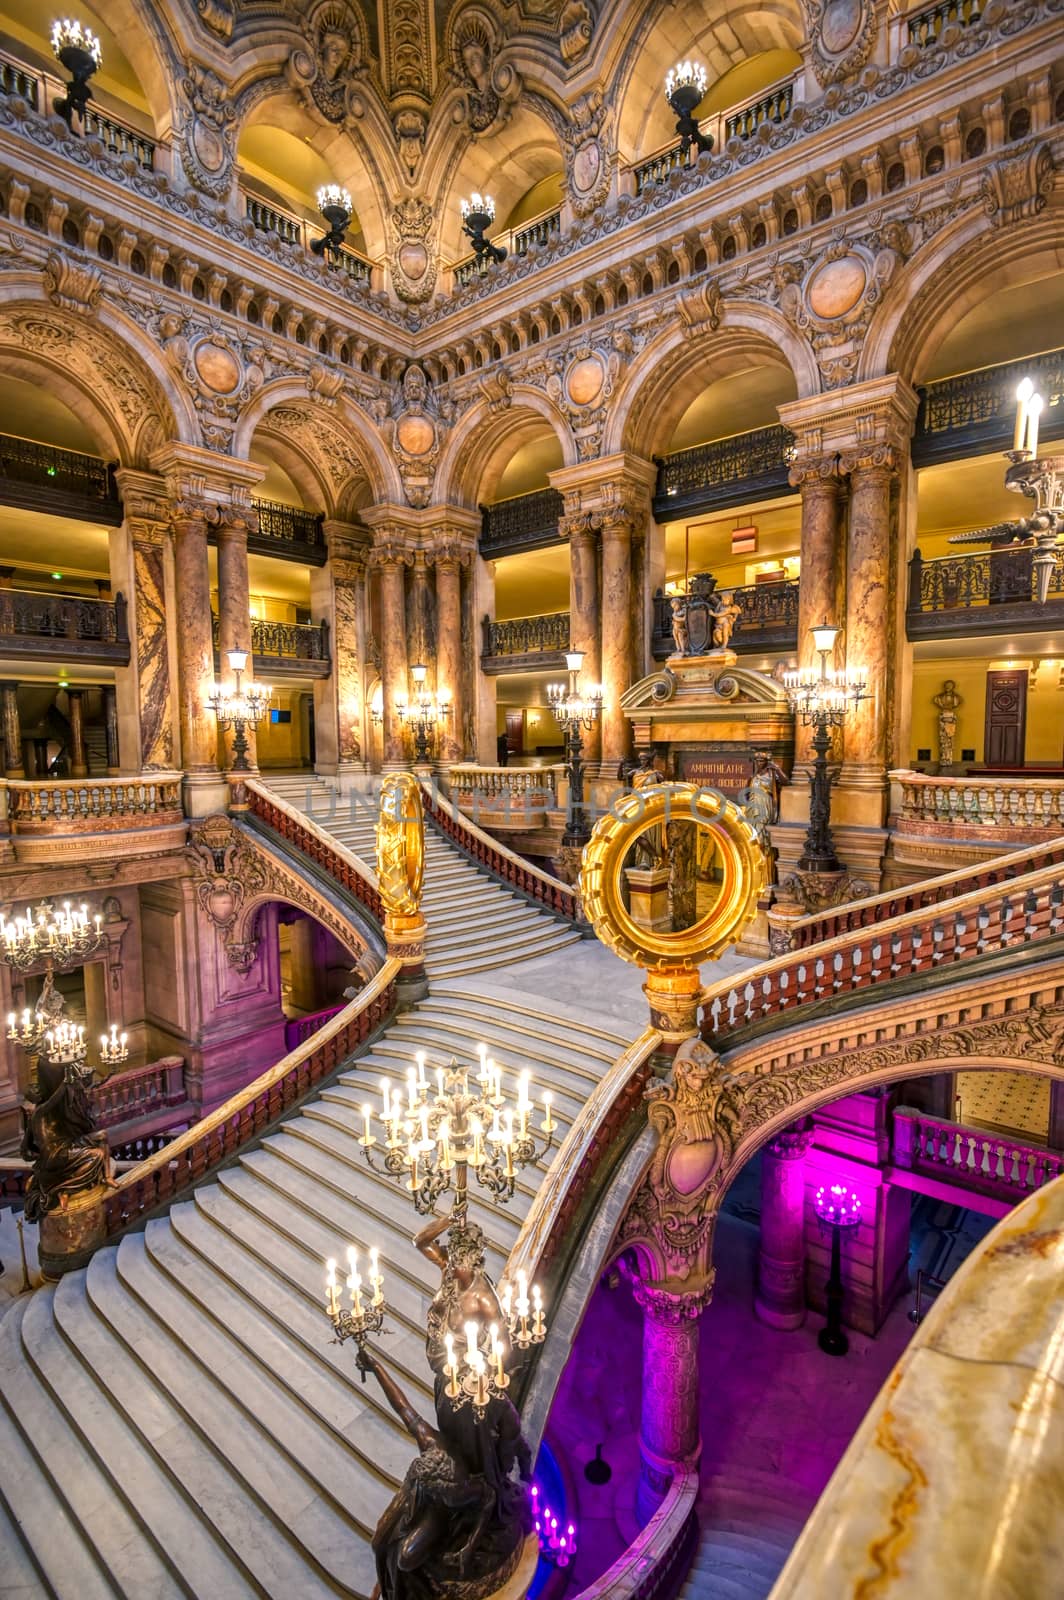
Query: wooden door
pixel 1006 718
pixel 515 733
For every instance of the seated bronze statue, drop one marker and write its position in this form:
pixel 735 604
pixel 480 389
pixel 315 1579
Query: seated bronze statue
pixel 59 1136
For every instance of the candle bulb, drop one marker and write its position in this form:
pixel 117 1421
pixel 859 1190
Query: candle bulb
pixel 472 1334
pixel 1034 411
pixel 1023 395
pixel 477 1158
pixel 496 1128
pixel 367 1137
pixel 547 1124
pixel 376 1277
pixel 445 1145
pixel 331 1290
pixel 421 1080
pixel 384 1097
pixel 413 1182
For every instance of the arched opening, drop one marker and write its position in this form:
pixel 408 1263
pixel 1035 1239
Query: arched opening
pixel 283 165
pixel 129 88
pixel 520 167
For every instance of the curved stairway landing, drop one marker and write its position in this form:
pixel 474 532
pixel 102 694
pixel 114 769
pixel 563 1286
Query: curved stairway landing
pixel 474 922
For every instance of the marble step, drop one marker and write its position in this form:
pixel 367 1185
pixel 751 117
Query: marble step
pixel 529 1016
pixel 495 915
pixel 132 1565
pixel 20 1579
pixel 563 1048
pixel 272 1517
pixel 459 966
pixel 32 1499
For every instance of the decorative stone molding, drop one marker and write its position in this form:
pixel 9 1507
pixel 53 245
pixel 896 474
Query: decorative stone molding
pixel 72 284
pixel 832 303
pixel 488 86
pixel 208 132
pixel 576 26
pixel 587 154
pixel 327 71
pixel 414 261
pixel 842 34
pixel 1018 185
pixel 220 374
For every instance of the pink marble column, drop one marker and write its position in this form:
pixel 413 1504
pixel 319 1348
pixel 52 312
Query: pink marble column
pixel 12 732
pixel 79 767
pixel 868 616
pixel 394 667
pixel 780 1297
pixel 150 645
pixel 585 616
pixel 234 618
pixel 348 579
pixel 449 650
pixel 616 638
pixel 669 1437
pixel 195 646
pixel 820 588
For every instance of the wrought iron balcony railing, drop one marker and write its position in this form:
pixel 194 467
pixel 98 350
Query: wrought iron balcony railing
pixel 725 472
pixel 527 522
pixel 975 411
pixel 525 636
pixel 289 532
pixel 286 641
pixel 768 619
pixel 64 483
pixel 516 241
pixel 989 591
pixel 38 626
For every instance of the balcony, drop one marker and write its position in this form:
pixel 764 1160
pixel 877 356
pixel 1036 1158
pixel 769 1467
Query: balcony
pixel 994 811
pixel 81 818
pixel 992 591
pixel 292 229
pixel 527 522
pixel 62 483
pixel 515 241
pixel 41 90
pixel 974 413
pixel 768 621
pixel 741 122
pixel 726 472
pixel 924 30
pixel 525 644
pixel 287 649
pixel 289 533
pixel 50 627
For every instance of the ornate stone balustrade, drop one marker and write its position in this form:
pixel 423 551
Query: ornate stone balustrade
pixel 68 818
pixel 531 235
pixel 247 1115
pixel 341 864
pixel 739 122
pixel 726 472
pixel 527 522
pixel 37 626
pixel 768 618
pixel 990 1164
pixel 299 1029
pixel 971 808
pixel 550 892
pixel 516 797
pixel 291 229
pixel 41 90
pixel 507 644
pixel 924 29
pixel 140 1093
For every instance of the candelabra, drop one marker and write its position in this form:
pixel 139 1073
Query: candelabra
pixel 557 1544
pixel 478 213
pixel 63 1040
pixel 78 50
pixel 839 1209
pixel 573 711
pixel 334 203
pixel 58 937
pixel 822 700
pixel 685 89
pixel 237 707
pixel 422 712
pixel 1041 479
pixel 435 1140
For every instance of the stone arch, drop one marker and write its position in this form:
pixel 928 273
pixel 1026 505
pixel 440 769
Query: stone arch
pixel 103 368
pixel 674 368
pixel 485 434
pixel 365 959
pixel 341 443
pixel 523 149
pixel 963 265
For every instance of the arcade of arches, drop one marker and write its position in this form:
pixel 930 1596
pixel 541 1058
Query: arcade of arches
pixel 707 401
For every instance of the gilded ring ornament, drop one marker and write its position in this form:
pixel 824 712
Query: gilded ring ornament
pixel 401 844
pixel 741 862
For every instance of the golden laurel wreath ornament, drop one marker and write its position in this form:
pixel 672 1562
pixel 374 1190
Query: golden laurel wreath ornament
pixel 401 844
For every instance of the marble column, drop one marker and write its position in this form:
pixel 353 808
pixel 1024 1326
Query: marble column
pixel 449 651
pixel 348 580
pixel 669 1437
pixel 195 647
pixel 820 588
pixel 394 668
pixel 868 569
pixel 79 766
pixel 110 722
pixel 234 617
pixel 12 731
pixel 780 1297
pixel 616 638
pixel 584 616
pixel 420 632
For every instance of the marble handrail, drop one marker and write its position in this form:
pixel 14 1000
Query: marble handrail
pixel 51 805
pixel 539 885
pixel 247 1113
pixel 657 1560
pixel 982 807
pixel 952 1483
pixel 1026 910
pixel 348 869
pixel 877 908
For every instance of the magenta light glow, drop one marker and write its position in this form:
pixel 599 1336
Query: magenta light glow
pixel 837 1206
pixel 557 1543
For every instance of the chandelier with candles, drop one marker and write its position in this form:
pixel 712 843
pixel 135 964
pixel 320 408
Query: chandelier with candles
pixel 60 936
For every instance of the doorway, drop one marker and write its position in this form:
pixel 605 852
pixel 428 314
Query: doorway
pixel 1006 718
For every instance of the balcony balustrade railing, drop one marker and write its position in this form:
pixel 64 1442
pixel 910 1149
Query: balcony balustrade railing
pixel 289 532
pixel 768 619
pixel 285 641
pixel 521 790
pixel 990 807
pixel 522 636
pixel 526 522
pixel 724 472
pixel 34 624
pixel 141 1092
pixel 87 805
pixel 41 90
pixel 975 411
pixel 515 241
pixel 120 138
pixel 993 1164
pixel 771 107
pixel 292 229
pixel 987 591
pixel 738 122
pixel 40 477
pixel 925 28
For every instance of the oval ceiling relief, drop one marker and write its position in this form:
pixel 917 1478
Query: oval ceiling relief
pixel 585 381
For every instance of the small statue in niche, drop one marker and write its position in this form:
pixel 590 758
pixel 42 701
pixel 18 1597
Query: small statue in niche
pixel 761 798
pixel 725 614
pixel 948 702
pixel 641 772
pixel 681 632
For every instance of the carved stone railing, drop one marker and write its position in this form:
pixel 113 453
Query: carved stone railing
pixel 94 805
pixel 724 472
pixel 527 522
pixel 298 830
pixel 525 636
pixel 988 808
pixel 772 107
pixel 269 219
pixel 738 122
pixel 984 592
pixel 1029 910
pixel 511 797
pixel 299 1029
pixel 991 1164
pixel 976 411
pixel 654 1565
pixel 38 625
pixel 822 926
pixel 64 483
pixel 120 138
pixel 247 1115
pixel 139 1093
pixel 768 618
pixel 924 29
pixel 289 531
pixel 537 885
pixel 41 90
pixel 530 235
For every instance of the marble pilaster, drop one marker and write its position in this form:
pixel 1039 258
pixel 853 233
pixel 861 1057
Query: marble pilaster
pixel 448 563
pixel 12 731
pixel 110 723
pixel 584 615
pixel 822 573
pixel 391 560
pixel 668 1426
pixel 195 645
pixel 234 610
pixel 616 637
pixel 141 562
pixel 868 591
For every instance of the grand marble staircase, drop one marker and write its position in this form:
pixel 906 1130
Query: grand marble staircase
pixel 474 923
pixel 174 1419
pixel 748 1525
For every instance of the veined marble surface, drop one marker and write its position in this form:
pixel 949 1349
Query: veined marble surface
pixel 954 1483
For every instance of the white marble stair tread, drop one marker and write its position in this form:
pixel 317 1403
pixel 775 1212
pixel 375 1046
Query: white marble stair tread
pixel 308 1403
pixel 58 1338
pixel 19 1577
pixel 34 1503
pixel 473 941
pixel 508 914
pixel 289 1335
pixel 550 1019
pixel 128 1561
pixel 264 1507
pixel 464 966
pixel 512 1045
